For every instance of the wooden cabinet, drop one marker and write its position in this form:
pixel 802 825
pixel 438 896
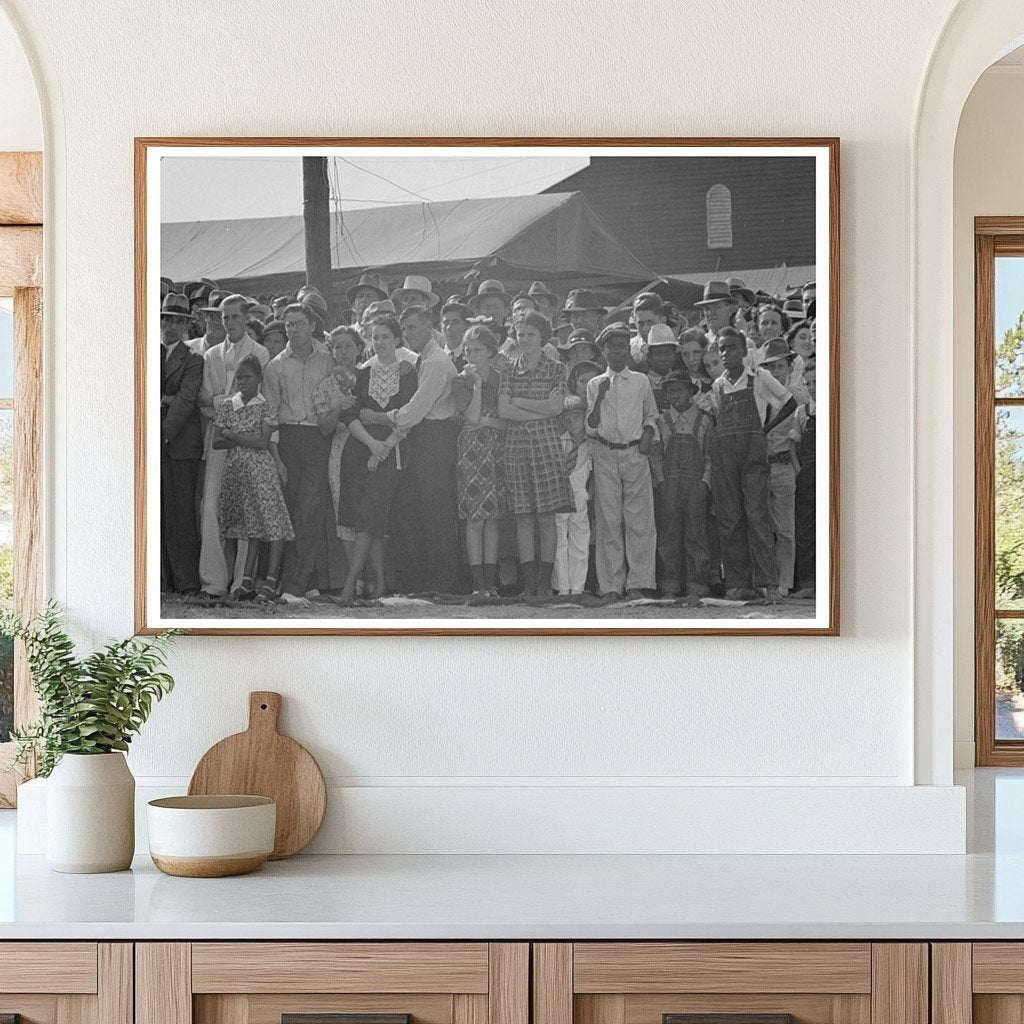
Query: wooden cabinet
pixel 66 982
pixel 311 982
pixel 512 983
pixel 753 982
pixel 978 983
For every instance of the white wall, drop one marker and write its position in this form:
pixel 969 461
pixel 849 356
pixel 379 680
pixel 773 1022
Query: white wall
pixel 21 126
pixel 449 713
pixel 987 182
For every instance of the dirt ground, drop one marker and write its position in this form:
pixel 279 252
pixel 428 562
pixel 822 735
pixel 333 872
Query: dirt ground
pixel 451 607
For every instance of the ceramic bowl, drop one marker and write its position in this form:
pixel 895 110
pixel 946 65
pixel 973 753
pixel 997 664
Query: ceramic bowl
pixel 211 836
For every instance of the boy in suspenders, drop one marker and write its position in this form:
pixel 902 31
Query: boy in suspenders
pixel 686 466
pixel 743 399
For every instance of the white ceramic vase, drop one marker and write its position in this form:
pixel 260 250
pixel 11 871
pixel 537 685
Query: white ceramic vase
pixel 90 814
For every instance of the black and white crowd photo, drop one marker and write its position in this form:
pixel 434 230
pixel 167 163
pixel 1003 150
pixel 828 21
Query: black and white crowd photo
pixel 487 388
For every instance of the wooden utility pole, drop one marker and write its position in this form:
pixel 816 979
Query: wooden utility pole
pixel 316 216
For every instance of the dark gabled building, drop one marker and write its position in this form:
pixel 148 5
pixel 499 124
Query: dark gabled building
pixel 702 214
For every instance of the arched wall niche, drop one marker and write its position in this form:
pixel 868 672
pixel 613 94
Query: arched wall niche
pixel 974 36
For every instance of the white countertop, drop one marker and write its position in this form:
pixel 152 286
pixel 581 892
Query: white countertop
pixel 519 897
pixel 977 896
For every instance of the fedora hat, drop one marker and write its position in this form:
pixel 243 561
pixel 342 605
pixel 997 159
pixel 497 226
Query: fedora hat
pixel 486 288
pixel 195 290
pixel 581 300
pixel 414 283
pixel 374 282
pixel 775 350
pixel 661 334
pixel 715 291
pixel 794 309
pixel 738 287
pixel 175 304
pixel 261 310
pixel 540 288
pixel 216 297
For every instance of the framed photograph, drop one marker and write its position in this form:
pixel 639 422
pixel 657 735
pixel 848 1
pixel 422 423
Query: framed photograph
pixel 487 386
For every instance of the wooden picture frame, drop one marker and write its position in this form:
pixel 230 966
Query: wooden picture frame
pixel 824 618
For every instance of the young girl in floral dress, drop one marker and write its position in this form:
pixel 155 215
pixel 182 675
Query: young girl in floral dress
pixel 252 504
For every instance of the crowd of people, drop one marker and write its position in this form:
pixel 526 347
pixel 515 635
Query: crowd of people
pixel 497 445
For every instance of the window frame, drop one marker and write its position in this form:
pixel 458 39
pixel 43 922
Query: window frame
pixel 707 214
pixel 993 237
pixel 21 273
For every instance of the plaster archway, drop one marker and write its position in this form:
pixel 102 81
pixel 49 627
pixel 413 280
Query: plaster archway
pixel 977 33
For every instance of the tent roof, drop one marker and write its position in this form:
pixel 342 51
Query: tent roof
pixel 773 280
pixel 552 235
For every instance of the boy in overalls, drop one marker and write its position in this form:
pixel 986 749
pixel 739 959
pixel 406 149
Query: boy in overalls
pixel 748 403
pixel 802 440
pixel 686 466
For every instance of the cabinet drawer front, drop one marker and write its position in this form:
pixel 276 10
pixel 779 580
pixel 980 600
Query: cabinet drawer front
pixel 998 967
pixel 269 1009
pixel 339 967
pixel 635 967
pixel 59 967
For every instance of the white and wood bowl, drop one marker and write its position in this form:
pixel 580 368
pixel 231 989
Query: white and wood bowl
pixel 211 836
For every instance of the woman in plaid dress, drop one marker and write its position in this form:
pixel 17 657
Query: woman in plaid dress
pixel 532 394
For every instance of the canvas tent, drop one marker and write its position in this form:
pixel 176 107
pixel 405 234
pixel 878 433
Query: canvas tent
pixel 555 237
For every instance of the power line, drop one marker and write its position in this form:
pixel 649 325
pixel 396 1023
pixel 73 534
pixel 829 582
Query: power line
pixel 395 184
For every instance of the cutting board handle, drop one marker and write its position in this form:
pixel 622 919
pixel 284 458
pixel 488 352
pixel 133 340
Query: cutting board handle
pixel 264 710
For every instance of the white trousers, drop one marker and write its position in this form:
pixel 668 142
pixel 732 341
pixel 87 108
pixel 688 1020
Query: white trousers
pixel 624 520
pixel 214 577
pixel 782 503
pixel 572 552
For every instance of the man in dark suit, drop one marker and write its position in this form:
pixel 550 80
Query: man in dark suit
pixel 181 449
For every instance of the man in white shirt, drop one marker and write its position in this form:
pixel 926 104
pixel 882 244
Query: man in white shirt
pixel 288 386
pixel 622 418
pixel 219 365
pixel 747 403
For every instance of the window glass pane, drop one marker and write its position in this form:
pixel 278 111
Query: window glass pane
pixel 1009 679
pixel 6 353
pixel 719 203
pixel 1009 338
pixel 6 567
pixel 1009 482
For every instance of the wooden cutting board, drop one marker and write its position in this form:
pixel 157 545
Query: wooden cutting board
pixel 262 762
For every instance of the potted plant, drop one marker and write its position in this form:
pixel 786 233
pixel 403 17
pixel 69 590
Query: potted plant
pixel 89 710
